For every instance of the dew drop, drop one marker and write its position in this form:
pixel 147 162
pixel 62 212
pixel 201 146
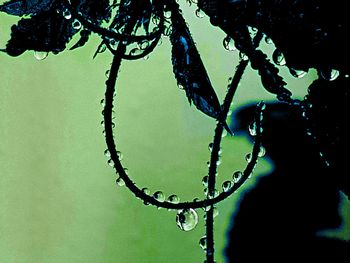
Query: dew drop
pixel 213 194
pixel 262 152
pixel 155 20
pixel 210 146
pixel 144 44
pixel 120 182
pixel 146 191
pixel 248 157
pixel 107 73
pixel 229 43
pixel 199 13
pixel 243 56
pixel 110 163
pixel 203 242
pixel 173 199
pixel 268 40
pixel 40 55
pixel 76 24
pixel 205 181
pixel 180 86
pixel 226 186
pixel 330 75
pixel 297 73
pixel 252 129
pixel 167 14
pixel 107 153
pixel 103 102
pixel 66 14
pixel 237 176
pixel 159 196
pixel 120 155
pixel 187 219
pixel 278 58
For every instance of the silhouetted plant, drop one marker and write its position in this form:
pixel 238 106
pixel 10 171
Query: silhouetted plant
pixel 301 31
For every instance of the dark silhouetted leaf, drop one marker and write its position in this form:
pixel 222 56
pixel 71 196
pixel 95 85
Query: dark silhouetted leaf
pixel 47 31
pixel 189 69
pixel 26 7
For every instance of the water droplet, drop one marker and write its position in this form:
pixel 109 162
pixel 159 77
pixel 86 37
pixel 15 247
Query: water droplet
pixel 215 212
pixel 237 176
pixel 173 199
pixel 103 103
pixel 243 56
pixel 144 44
pixel 268 40
pixel 187 219
pixel 218 162
pixel 40 55
pixel 120 155
pixel 278 58
pixel 107 153
pixel 155 20
pixel 76 24
pixel 262 152
pixel 330 75
pixel 226 186
pixel 203 242
pixel 297 73
pixel 248 157
pixel 167 14
pixel 66 14
pixel 205 181
pixel 159 196
pixel 146 191
pixel 199 13
pixel 110 163
pixel 252 129
pixel 213 194
pixel 252 31
pixel 229 43
pixel 210 146
pixel 146 57
pixel 120 182
pixel 205 191
pixel 107 73
pixel 180 86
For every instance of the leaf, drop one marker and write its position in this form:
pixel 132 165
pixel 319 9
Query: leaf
pixel 47 31
pixel 189 70
pixel 25 7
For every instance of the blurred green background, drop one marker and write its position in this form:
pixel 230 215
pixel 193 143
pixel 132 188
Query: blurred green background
pixel 58 199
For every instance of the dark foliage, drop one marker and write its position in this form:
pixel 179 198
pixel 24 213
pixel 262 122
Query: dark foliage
pixel 279 220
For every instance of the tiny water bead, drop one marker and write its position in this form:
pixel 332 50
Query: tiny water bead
pixel 205 181
pixel 107 153
pixel 40 55
pixel 210 146
pixel 146 191
pixel 144 44
pixel 248 157
pixel 215 211
pixel 237 176
pixel 187 219
pixel 329 75
pixel 226 186
pixel 76 24
pixel 173 199
pixel 199 13
pixel 297 73
pixel 243 56
pixel 203 242
pixel 229 43
pixel 278 58
pixel 120 181
pixel 110 163
pixel 103 102
pixel 159 196
pixel 66 14
pixel 252 129
pixel 120 155
pixel 268 40
pixel 262 152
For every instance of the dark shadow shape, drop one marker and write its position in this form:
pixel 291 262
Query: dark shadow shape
pixel 278 220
